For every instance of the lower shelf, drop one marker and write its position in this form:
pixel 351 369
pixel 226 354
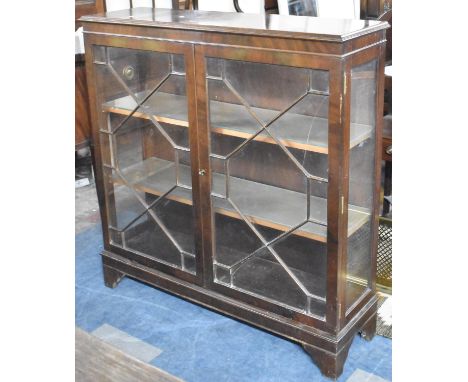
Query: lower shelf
pixel 296 280
pixel 255 200
pixel 258 273
pixel 146 239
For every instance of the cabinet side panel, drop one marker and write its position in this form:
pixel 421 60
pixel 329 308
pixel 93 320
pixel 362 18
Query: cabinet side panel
pixel 362 182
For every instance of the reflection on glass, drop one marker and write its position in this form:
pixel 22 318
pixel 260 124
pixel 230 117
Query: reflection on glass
pixel 146 155
pixel 298 7
pixel 361 181
pixel 269 137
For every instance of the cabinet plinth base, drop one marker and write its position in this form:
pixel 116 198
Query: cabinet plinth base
pixel 112 276
pixel 328 351
pixel 330 364
pixel 369 328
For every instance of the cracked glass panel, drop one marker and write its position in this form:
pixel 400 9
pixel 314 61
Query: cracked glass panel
pixel 146 154
pixel 269 181
pixel 361 182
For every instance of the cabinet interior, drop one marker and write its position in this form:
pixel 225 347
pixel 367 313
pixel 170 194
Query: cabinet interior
pixel 269 170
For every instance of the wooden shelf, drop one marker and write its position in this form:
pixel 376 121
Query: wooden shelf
pixel 265 205
pixel 294 130
pixel 264 278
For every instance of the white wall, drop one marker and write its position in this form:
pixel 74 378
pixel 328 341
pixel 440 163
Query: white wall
pixel 247 6
pixel 335 9
pixel 115 5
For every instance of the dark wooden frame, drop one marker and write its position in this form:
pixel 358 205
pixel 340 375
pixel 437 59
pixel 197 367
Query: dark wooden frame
pixel 82 116
pixel 82 123
pixel 326 341
pixel 87 7
pixel 373 9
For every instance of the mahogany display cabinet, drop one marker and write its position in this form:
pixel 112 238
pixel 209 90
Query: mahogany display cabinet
pixel 237 165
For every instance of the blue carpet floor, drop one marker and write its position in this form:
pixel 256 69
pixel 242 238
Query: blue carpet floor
pixel 199 345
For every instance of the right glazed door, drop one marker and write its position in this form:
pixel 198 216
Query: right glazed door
pixel 268 128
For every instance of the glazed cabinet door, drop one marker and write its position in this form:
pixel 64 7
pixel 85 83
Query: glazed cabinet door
pixel 146 133
pixel 267 129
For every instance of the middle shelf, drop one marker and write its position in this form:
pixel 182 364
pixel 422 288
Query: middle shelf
pixel 293 130
pixel 262 204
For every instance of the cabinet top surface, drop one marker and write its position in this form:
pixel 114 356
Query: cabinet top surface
pixel 313 28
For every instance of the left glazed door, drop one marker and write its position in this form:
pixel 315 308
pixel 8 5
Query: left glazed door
pixel 145 138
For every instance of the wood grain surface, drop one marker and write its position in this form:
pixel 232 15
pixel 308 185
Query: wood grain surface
pixel 82 120
pixel 96 360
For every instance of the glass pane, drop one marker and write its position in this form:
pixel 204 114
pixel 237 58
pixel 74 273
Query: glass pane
pixel 269 134
pixel 305 125
pixel 307 260
pixel 99 53
pixel 146 154
pixel 361 181
pixel 300 7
